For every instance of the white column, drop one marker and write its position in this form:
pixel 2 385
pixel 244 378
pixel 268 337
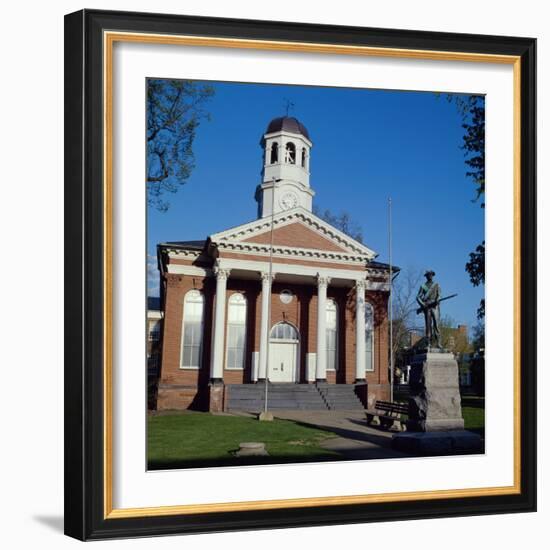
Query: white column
pixel 360 358
pixel 264 324
pixel 321 360
pixel 216 365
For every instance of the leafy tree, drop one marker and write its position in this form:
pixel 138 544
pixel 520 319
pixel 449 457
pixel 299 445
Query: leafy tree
pixel 478 360
pixel 476 269
pixel 478 340
pixel 174 111
pixel 341 221
pixel 472 110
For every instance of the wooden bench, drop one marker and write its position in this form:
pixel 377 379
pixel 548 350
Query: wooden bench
pixel 387 414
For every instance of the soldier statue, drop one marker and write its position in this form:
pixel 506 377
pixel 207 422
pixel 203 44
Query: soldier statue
pixel 428 298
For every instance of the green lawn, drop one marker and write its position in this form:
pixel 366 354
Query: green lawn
pixel 473 412
pixel 191 439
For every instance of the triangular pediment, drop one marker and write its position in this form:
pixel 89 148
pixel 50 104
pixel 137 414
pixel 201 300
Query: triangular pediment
pixel 295 229
pixel 298 235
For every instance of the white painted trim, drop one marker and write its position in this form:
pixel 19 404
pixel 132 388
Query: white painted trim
pixel 377 285
pixel 175 252
pixel 178 269
pixel 335 369
pixel 299 186
pixel 286 133
pixel 154 314
pixel 311 365
pixel 377 272
pixel 310 254
pixel 255 365
pixel 373 347
pixel 306 271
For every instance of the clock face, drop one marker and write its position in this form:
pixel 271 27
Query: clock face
pixel 288 201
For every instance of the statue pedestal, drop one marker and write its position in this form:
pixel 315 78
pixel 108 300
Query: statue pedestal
pixel 435 424
pixel 434 401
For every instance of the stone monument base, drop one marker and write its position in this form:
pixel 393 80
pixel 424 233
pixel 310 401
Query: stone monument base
pixel 434 401
pixel 438 443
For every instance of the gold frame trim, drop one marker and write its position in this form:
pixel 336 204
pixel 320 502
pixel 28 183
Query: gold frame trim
pixel 109 39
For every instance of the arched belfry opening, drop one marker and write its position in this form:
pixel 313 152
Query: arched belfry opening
pixel 274 159
pixel 290 153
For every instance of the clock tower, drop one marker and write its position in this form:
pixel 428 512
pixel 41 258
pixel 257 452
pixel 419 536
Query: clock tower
pixel 285 173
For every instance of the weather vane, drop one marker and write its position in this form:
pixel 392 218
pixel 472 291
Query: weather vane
pixel 288 105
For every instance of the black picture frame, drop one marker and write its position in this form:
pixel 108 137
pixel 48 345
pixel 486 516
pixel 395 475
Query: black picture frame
pixel 85 517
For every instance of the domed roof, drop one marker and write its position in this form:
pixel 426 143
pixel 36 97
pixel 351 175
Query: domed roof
pixel 289 124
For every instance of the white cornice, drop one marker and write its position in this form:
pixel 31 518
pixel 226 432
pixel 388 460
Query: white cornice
pixel 310 254
pixel 374 285
pixel 179 252
pixel 179 269
pixel 291 269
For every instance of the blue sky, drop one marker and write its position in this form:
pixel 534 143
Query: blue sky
pixel 368 145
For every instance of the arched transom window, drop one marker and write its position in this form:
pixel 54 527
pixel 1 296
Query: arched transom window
pixel 369 336
pixel 236 331
pixel 332 335
pixel 284 331
pixel 193 313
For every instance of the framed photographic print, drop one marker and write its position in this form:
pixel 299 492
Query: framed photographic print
pixel 279 307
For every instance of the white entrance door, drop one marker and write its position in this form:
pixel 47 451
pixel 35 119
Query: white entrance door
pixel 282 361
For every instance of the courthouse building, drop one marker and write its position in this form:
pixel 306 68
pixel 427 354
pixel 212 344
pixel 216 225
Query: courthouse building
pixel 286 297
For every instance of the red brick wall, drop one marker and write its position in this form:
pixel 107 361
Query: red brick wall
pixel 296 235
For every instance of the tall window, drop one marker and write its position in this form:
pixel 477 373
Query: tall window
pixel 369 336
pixel 236 331
pixel 332 335
pixel 193 310
pixel 274 153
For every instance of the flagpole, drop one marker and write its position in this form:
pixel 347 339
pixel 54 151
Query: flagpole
pixel 274 181
pixel 390 296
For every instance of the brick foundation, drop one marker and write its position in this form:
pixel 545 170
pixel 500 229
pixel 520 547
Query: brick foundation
pixel 180 398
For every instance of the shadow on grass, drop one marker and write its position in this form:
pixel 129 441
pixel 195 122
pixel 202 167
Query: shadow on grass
pixel 178 464
pixel 380 440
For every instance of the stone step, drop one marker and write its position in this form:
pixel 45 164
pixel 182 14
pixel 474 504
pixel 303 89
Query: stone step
pixel 292 396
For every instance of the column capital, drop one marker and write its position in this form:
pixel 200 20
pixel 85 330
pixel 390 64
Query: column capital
pixel 221 272
pixel 361 284
pixel 266 277
pixel 322 280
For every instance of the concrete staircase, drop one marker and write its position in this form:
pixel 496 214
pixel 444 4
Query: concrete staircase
pixel 340 397
pixel 309 397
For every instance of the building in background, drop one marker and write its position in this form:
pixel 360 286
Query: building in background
pixel 154 335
